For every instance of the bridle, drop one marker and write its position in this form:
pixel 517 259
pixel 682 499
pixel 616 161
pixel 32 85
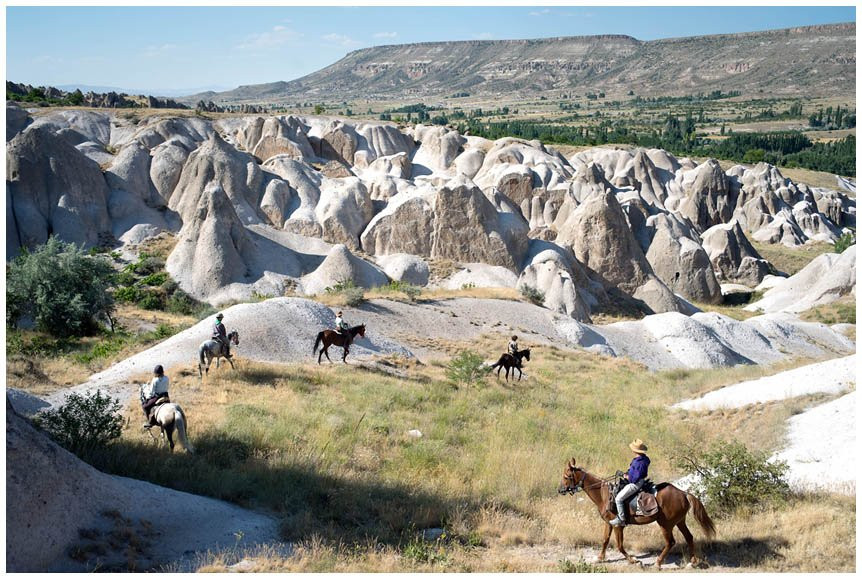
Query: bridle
pixel 579 486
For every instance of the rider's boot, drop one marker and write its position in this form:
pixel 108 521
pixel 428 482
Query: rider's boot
pixel 620 520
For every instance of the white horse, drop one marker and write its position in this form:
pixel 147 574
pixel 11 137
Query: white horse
pixel 170 416
pixel 213 349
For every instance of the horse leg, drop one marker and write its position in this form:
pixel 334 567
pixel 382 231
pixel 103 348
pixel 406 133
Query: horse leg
pixel 689 540
pixel 667 532
pixel 499 368
pixel 605 541
pixel 520 374
pixel 326 352
pixel 230 360
pixel 344 356
pixel 618 536
pixel 169 429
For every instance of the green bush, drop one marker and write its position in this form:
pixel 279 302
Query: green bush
pixel 127 294
pixel 732 477
pixel 83 423
pixel 352 294
pixel 151 300
pixel 845 242
pixel 125 278
pixel 532 294
pixel 410 290
pixel 466 369
pixel 580 567
pixel 156 279
pixel 62 289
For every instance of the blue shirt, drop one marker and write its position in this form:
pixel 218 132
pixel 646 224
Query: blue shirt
pixel 638 468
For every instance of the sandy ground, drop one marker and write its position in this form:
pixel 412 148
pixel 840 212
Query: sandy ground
pixel 832 376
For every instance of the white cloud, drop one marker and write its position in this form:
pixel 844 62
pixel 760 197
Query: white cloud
pixel 483 36
pixel 385 34
pixel 340 39
pixel 276 37
pixel 540 12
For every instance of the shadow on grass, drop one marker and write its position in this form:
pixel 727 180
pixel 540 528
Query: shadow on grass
pixel 744 552
pixel 314 500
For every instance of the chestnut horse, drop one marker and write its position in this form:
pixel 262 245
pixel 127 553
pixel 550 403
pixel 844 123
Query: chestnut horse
pixel 330 337
pixel 673 505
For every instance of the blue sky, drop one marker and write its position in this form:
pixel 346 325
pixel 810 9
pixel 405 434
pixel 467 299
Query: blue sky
pixel 162 48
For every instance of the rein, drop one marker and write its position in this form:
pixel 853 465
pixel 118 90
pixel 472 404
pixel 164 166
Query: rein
pixel 602 480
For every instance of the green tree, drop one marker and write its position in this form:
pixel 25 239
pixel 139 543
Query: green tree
pixel 61 288
pixel 319 109
pixel 76 97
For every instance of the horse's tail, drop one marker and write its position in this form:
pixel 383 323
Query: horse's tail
pixel 701 516
pixel 180 420
pixel 202 358
pixel 317 342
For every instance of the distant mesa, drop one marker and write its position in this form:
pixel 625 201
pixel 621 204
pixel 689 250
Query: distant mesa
pixel 820 60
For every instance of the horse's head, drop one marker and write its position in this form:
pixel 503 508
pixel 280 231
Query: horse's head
pixel 360 330
pixel 573 478
pixel 527 354
pixel 234 337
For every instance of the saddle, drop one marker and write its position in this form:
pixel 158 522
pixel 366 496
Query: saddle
pixel 642 503
pixel 159 402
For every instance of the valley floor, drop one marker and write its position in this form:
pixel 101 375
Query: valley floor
pixel 333 453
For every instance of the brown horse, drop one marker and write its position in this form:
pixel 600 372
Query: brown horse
pixel 673 506
pixel 510 361
pixel 330 337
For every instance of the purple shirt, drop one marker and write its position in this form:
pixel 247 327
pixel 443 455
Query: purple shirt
pixel 638 468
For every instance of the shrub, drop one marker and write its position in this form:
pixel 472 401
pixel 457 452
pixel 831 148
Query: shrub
pixel 127 294
pixel 83 423
pixel 60 287
pixel 156 279
pixel 410 290
pixel 150 300
pixel 580 567
pixel 731 476
pixel 352 294
pixel 466 368
pixel 532 294
pixel 844 242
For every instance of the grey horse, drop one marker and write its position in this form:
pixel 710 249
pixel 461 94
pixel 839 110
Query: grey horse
pixel 170 416
pixel 213 349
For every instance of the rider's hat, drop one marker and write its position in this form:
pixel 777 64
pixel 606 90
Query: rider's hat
pixel 638 446
pixel 219 315
pixel 338 313
pixel 159 370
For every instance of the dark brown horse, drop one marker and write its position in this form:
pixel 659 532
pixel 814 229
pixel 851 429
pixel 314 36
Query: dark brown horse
pixel 330 337
pixel 673 505
pixel 510 361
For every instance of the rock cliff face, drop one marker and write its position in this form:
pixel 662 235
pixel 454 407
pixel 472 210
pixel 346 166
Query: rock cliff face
pixel 751 62
pixel 260 204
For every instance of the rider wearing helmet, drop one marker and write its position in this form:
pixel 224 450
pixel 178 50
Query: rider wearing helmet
pixel 636 475
pixel 220 334
pixel 151 392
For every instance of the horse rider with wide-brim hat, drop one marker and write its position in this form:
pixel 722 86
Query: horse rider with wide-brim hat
pixel 636 476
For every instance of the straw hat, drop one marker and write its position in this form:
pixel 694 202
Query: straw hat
pixel 638 446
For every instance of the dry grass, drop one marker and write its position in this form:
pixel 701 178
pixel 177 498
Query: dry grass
pixel 326 448
pixel 842 310
pixel 791 260
pixel 735 312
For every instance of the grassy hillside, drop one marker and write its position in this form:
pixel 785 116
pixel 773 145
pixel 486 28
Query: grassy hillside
pixel 326 449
